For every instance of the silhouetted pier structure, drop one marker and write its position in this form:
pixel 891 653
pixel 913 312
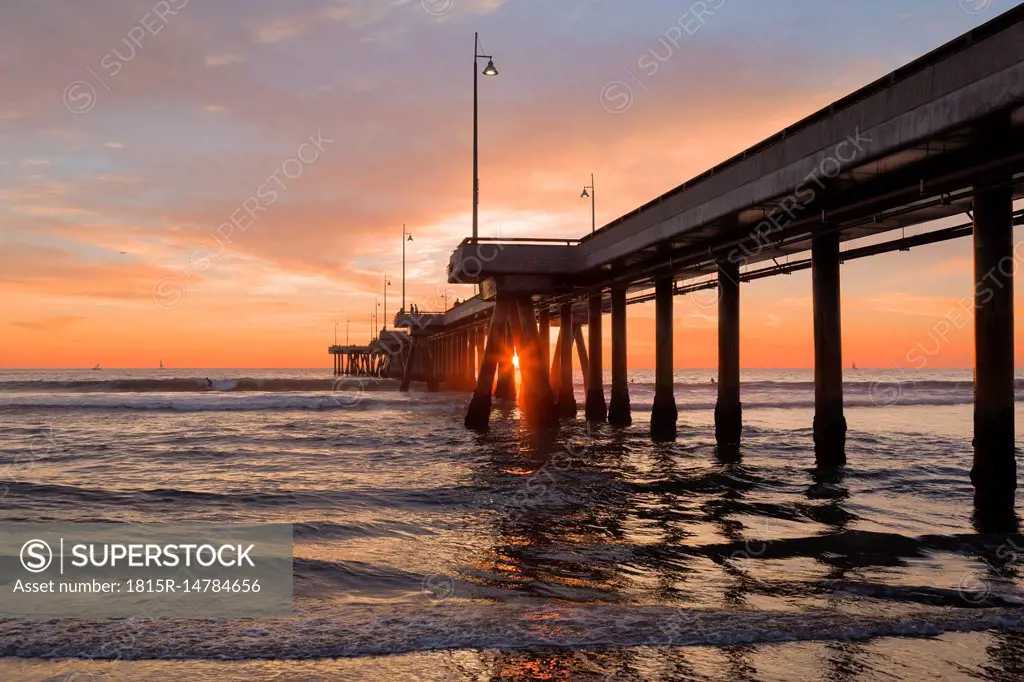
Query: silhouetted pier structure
pixel 939 137
pixel 376 359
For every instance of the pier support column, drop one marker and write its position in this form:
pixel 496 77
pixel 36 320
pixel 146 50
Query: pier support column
pixel 442 360
pixel 556 365
pixel 457 360
pixel 566 405
pixel 457 377
pixel 596 409
pixel 430 367
pixel 544 336
pixel 829 422
pixel 581 352
pixel 481 338
pixel 479 412
pixel 619 413
pixel 469 366
pixel 994 473
pixel 409 364
pixel 460 360
pixel 664 413
pixel 506 387
pixel 728 409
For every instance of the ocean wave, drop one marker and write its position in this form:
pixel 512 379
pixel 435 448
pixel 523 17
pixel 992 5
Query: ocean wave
pixel 349 398
pixel 194 385
pixel 272 385
pixel 356 396
pixel 370 629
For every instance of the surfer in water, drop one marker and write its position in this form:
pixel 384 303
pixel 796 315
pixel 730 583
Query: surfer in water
pixel 209 384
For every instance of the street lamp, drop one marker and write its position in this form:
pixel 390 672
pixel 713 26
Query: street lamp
pixel 335 332
pixel 346 331
pixel 406 237
pixel 489 70
pixel 387 283
pixel 593 210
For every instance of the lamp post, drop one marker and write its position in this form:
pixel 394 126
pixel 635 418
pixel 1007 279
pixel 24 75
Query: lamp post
pixel 406 237
pixel 489 70
pixel 346 331
pixel 387 283
pixel 335 332
pixel 593 210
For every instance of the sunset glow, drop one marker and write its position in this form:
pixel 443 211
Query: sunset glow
pixel 224 193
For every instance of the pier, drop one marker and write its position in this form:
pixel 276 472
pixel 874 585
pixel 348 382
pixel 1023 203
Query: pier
pixel 943 136
pixel 376 359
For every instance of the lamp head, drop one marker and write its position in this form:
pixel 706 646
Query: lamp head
pixel 409 239
pixel 585 194
pixel 489 70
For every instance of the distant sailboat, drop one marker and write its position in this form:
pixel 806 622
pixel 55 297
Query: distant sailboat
pixel 854 366
pixel 161 364
pixel 96 367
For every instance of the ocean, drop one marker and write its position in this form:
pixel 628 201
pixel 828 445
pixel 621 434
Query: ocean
pixel 425 551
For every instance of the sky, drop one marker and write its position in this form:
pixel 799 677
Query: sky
pixel 217 184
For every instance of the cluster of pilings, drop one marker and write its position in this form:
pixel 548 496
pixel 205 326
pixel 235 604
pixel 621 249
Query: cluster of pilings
pixel 361 361
pixel 513 327
pixel 374 360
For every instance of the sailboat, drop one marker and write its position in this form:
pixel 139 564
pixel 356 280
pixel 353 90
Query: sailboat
pixel 161 364
pixel 96 367
pixel 854 366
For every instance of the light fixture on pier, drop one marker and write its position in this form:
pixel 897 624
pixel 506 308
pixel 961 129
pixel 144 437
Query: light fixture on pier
pixel 590 195
pixel 489 70
pixel 406 237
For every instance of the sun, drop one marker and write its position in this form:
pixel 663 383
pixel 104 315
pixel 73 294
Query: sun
pixel 515 360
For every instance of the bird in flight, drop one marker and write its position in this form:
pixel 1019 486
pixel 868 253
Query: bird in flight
pixel 123 252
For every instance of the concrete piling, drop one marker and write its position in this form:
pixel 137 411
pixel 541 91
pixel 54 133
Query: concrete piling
pixel 728 409
pixel 829 422
pixel 664 413
pixel 596 409
pixel 994 471
pixel 619 412
pixel 566 398
pixel 479 412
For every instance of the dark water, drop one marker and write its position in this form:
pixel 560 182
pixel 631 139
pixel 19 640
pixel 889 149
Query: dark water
pixel 424 551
